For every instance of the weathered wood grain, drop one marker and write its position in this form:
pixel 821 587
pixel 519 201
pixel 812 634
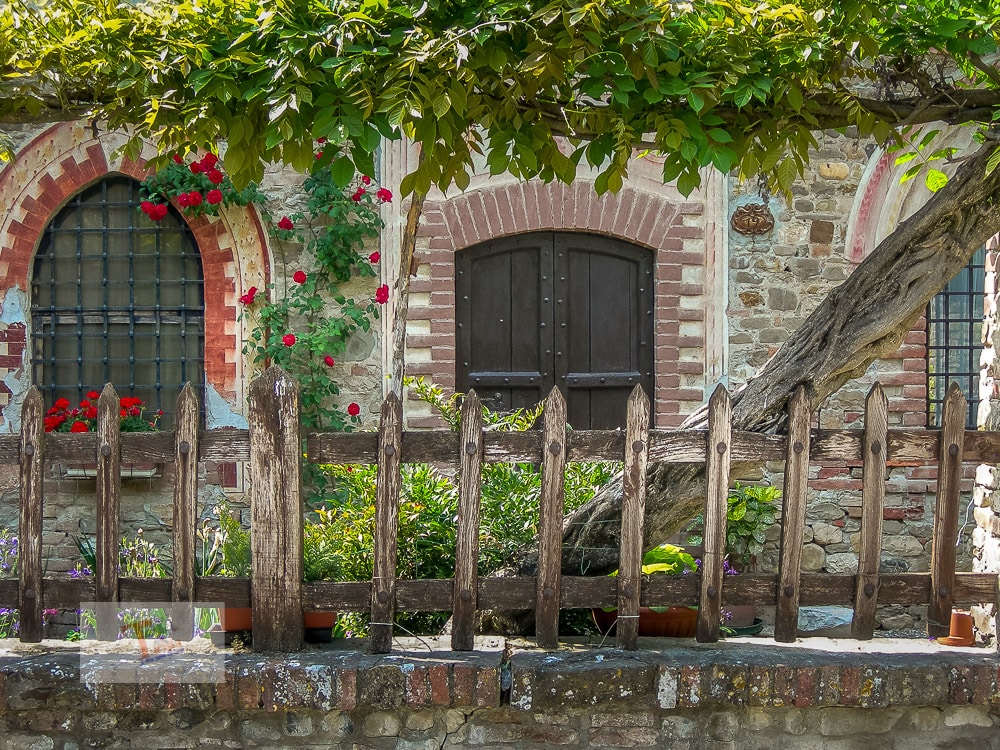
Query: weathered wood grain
pixel 946 512
pixel 718 451
pixel 29 528
pixel 793 517
pixel 872 499
pixel 276 512
pixel 463 626
pixel 550 517
pixel 636 454
pixel 389 484
pixel 185 512
pixel 109 488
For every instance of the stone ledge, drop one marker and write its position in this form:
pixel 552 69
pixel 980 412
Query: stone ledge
pixel 667 674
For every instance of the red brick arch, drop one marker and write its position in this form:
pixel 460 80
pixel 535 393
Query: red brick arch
pixel 66 158
pixel 653 220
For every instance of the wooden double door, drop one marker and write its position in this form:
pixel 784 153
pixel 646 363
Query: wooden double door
pixel 556 308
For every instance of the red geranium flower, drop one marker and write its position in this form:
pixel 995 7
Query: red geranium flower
pixel 195 167
pixel 213 197
pixel 285 223
pixel 93 394
pixel 60 403
pixel 374 257
pixel 90 413
pixel 247 299
pixel 183 200
pixel 382 294
pixel 299 277
pixel 79 427
pixel 328 360
pixel 195 198
pixel 288 339
pixel 383 195
pixel 215 176
pixel 353 409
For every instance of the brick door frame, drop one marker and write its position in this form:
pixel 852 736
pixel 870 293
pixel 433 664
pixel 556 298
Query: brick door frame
pixel 50 169
pixel 687 236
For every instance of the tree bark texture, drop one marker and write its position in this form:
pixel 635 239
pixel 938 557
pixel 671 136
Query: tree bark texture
pixel 863 319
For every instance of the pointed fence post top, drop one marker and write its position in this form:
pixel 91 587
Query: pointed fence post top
pixel 637 396
pixel 392 404
pixel 719 397
pixel 555 399
pixel 876 394
pixel 33 398
pixel 108 393
pixel 955 394
pixel 275 381
pixel 472 407
pixel 188 394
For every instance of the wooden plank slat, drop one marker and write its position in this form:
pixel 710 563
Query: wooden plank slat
pixel 275 512
pixel 946 512
pixel 633 517
pixel 718 450
pixel 389 485
pixel 29 528
pixel 185 512
pixel 793 517
pixel 463 628
pixel 550 517
pixel 872 499
pixel 109 487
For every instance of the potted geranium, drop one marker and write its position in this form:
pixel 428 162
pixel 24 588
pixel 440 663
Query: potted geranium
pixel 671 621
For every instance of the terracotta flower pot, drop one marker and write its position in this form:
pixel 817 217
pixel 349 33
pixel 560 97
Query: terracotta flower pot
pixel 319 626
pixel 669 622
pixel 235 619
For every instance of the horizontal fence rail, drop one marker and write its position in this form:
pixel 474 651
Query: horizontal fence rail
pixel 276 591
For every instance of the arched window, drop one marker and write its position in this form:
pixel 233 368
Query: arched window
pixel 954 329
pixel 116 298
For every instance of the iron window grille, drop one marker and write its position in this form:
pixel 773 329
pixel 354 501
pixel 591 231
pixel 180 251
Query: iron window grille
pixel 117 298
pixel 954 331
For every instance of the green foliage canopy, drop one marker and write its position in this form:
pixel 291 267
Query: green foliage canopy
pixel 724 83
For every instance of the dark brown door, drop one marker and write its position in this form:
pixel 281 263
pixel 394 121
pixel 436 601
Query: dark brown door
pixel 546 308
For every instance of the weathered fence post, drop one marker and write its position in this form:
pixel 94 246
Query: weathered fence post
pixel 276 512
pixel 470 473
pixel 873 456
pixel 185 512
pixel 387 492
pixel 793 517
pixel 633 515
pixel 109 489
pixel 718 450
pixel 550 517
pixel 946 512
pixel 29 529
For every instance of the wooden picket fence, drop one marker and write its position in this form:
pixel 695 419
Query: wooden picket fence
pixel 278 596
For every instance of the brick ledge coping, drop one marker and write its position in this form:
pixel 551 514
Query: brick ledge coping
pixel 668 674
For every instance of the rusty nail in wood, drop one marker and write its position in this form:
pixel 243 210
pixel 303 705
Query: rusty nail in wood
pixel 554 448
pixel 390 450
pixel 638 445
pixel 105 450
pixel 869 589
pixel 382 596
pixel 184 447
pixel 182 594
pixel 548 592
pixel 627 590
pixel 465 596
pixel 470 447
pixel 798 447
pixel 29 450
pixel 712 592
pixel 944 591
pixel 29 593
pixel 876 447
pixel 789 590
pixel 953 449
pixel 721 448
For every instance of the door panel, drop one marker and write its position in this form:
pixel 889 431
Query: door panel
pixel 544 309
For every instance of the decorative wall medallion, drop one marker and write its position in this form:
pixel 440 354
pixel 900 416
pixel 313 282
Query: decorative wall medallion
pixel 752 219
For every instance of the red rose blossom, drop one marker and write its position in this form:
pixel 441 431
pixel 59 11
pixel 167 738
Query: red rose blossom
pixel 382 294
pixel 215 176
pixel 178 159
pixel 288 339
pixel 194 197
pixel 328 360
pixel 321 140
pixel 374 257
pixel 158 211
pixel 353 409
pixel 145 206
pixel 195 167
pixel 209 160
pixel 383 195
pixel 357 194
pixel 366 179
pixel 247 299
pixel 319 155
pixel 213 197
pixel 299 277
pixel 285 223
pixel 79 427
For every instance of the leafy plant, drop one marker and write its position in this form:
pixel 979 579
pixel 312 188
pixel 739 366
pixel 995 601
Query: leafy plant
pixel 750 512
pixel 321 549
pixel 199 187
pixel 225 545
pixel 137 557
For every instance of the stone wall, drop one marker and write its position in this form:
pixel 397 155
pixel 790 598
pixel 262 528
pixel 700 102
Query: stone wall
pixel 725 697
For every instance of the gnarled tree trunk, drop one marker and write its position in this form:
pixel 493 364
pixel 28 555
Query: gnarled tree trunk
pixel 864 318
